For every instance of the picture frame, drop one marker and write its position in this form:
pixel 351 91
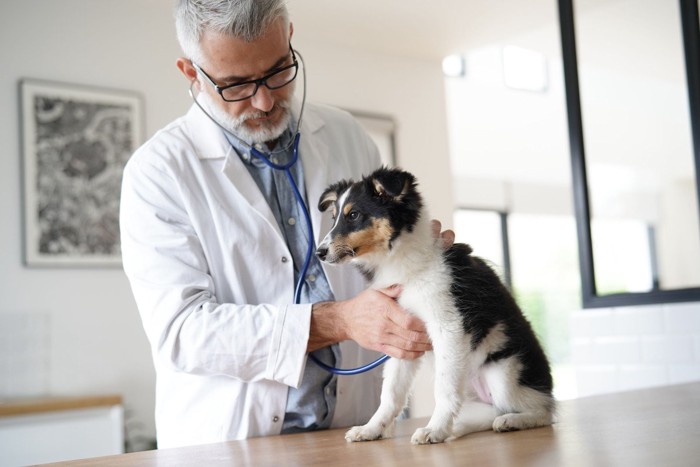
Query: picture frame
pixel 76 141
pixel 381 129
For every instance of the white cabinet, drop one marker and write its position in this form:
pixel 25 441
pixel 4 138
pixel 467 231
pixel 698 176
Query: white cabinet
pixel 58 429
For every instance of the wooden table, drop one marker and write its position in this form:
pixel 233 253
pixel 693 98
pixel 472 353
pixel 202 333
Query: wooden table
pixel 652 427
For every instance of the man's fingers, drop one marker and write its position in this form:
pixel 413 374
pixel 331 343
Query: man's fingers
pixel 448 238
pixel 401 353
pixel 408 334
pixel 436 227
pixel 392 292
pixel 406 321
pixel 389 328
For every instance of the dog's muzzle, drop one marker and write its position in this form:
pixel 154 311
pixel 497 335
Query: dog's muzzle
pixel 322 252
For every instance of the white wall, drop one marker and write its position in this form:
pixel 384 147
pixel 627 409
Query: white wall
pixel 84 319
pixel 409 90
pixel 73 331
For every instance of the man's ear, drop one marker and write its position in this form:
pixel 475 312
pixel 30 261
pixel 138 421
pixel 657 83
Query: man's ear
pixel 186 68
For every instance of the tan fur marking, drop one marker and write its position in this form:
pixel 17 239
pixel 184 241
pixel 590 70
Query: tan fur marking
pixel 406 187
pixel 347 208
pixel 378 187
pixel 330 201
pixel 375 237
pixel 380 190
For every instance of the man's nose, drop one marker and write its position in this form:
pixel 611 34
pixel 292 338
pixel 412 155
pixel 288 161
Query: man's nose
pixel 263 100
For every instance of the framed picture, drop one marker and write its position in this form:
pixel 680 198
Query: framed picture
pixel 75 143
pixel 382 130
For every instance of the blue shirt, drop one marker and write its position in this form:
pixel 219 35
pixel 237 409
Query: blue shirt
pixel 311 406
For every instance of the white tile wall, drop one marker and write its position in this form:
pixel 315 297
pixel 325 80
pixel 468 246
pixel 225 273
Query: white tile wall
pixel 616 349
pixel 24 354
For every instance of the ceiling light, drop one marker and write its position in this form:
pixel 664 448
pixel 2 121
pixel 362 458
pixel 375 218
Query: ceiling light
pixel 454 66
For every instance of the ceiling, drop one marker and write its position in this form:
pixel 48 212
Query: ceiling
pixel 433 30
pixel 417 28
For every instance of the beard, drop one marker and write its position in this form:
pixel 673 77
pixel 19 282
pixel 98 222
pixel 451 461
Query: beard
pixel 264 133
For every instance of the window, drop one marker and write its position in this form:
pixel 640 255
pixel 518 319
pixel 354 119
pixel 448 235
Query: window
pixel 541 258
pixel 628 269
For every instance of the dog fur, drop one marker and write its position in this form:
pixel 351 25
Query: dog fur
pixel 490 370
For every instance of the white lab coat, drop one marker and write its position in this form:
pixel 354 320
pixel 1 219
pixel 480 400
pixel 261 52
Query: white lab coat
pixel 213 282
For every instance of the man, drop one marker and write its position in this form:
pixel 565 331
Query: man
pixel 213 241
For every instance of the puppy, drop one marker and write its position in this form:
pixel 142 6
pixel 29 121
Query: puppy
pixel 490 370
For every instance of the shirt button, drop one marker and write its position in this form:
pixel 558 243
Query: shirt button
pixel 284 259
pixel 274 160
pixel 275 419
pixel 291 221
pixel 311 278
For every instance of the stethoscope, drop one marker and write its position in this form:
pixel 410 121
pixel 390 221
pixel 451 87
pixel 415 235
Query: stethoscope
pixel 300 200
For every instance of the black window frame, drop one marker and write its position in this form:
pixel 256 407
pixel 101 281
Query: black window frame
pixel 691 44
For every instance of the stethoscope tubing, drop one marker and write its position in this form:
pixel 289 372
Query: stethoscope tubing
pixel 307 261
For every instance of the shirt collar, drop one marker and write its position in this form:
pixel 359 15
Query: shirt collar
pixel 279 155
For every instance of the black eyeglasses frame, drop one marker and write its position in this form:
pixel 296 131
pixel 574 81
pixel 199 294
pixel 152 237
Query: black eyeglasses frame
pixel 258 82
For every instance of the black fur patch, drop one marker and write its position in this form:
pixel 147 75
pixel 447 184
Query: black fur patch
pixel 484 302
pixel 399 199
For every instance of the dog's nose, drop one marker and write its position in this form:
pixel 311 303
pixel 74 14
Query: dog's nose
pixel 322 252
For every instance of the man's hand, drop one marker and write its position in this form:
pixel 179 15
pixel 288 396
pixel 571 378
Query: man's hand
pixel 447 237
pixel 374 320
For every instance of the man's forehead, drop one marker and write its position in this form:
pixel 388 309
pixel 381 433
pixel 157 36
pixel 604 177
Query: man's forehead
pixel 227 55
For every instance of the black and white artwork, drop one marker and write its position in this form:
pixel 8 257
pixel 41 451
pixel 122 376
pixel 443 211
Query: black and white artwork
pixel 75 143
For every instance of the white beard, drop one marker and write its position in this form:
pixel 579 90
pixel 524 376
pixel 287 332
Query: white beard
pixel 236 125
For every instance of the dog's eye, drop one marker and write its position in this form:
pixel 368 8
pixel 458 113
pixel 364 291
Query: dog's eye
pixel 353 215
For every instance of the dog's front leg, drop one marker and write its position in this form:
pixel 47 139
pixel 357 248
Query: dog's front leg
pixel 450 363
pixel 398 378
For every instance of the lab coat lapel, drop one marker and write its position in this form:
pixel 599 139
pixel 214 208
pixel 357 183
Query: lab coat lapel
pixel 314 158
pixel 212 145
pixel 236 171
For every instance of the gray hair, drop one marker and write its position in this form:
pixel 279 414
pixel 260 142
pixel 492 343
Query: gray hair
pixel 244 19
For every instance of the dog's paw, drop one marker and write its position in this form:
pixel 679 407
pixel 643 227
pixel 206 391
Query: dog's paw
pixel 505 423
pixel 428 436
pixel 364 433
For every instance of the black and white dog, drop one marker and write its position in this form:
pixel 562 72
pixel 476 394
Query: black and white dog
pixel 491 372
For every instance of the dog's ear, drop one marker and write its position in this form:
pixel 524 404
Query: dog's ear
pixel 330 196
pixel 392 184
pixel 327 198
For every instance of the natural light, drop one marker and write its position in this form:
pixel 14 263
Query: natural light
pixel 544 274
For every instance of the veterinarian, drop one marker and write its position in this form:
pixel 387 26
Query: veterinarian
pixel 212 242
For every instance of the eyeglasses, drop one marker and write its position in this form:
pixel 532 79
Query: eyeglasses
pixel 247 89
